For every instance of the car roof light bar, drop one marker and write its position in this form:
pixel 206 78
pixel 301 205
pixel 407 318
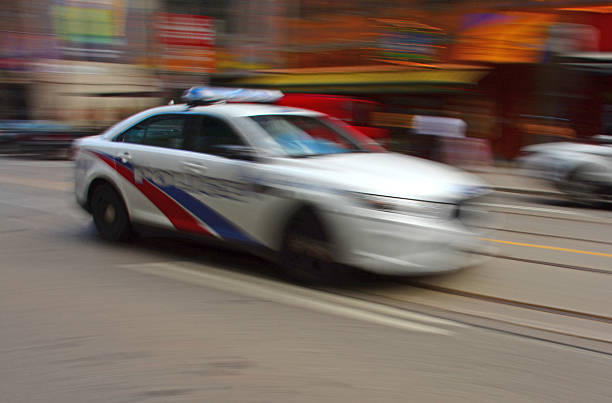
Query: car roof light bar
pixel 208 95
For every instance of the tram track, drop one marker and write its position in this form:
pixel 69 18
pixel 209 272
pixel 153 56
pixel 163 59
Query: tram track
pixel 517 328
pixel 487 317
pixel 516 303
pixel 567 216
pixel 563 237
pixel 569 325
pixel 549 264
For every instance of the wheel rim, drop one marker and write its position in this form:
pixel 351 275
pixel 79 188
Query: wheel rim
pixel 305 246
pixel 106 213
pixel 110 214
pixel 310 256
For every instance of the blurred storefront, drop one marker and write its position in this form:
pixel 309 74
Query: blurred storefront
pixel 515 72
pixel 590 55
pixel 78 61
pixel 505 68
pixel 539 94
pixel 402 91
pixel 385 53
pixel 19 47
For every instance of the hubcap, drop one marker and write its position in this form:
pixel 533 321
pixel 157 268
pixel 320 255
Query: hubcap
pixel 109 214
pixel 305 246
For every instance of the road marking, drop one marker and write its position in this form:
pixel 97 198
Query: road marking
pixel 295 296
pixel 530 245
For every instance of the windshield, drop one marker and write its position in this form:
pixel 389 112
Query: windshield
pixel 303 136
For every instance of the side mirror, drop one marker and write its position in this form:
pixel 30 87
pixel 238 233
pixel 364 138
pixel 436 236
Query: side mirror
pixel 235 152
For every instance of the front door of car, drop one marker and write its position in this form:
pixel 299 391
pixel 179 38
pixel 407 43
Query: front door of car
pixel 226 199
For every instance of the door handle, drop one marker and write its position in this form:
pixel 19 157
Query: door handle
pixel 194 167
pixel 125 157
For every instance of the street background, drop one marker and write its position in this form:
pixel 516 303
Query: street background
pixel 516 72
pixel 161 319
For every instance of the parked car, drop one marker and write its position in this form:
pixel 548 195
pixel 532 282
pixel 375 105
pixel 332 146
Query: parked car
pixel 37 137
pixel 582 171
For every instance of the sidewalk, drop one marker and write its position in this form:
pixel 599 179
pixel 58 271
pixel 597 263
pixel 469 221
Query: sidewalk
pixel 474 155
pixel 509 179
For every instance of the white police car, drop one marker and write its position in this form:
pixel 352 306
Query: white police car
pixel 285 182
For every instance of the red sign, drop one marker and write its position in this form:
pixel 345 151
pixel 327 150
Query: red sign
pixel 185 30
pixel 186 42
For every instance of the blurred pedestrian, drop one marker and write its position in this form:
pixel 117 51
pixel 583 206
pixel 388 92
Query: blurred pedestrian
pixel 432 130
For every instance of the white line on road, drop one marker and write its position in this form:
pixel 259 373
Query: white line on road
pixel 295 296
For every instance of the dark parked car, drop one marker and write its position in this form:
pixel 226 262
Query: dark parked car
pixel 37 137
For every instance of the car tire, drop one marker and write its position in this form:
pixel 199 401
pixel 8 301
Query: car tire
pixel 109 214
pixel 578 189
pixel 308 252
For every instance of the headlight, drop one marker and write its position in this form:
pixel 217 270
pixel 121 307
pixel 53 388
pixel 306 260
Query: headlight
pixel 404 206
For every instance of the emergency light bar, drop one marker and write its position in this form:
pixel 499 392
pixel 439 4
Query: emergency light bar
pixel 208 95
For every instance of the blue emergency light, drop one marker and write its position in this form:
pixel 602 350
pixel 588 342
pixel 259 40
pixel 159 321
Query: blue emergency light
pixel 209 95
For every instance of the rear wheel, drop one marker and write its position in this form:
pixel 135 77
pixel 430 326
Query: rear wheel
pixel 308 251
pixel 109 214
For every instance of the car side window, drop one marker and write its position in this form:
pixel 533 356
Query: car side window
pixel 165 132
pixel 211 134
pixel 135 135
pixel 159 131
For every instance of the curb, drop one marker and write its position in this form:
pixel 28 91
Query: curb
pixel 527 191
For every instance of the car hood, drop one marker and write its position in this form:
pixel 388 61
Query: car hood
pixel 386 174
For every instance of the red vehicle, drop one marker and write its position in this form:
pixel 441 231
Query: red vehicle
pixel 355 112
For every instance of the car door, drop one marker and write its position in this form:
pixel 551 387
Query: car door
pixel 225 198
pixel 152 160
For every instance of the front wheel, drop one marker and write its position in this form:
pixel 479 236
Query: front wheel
pixel 109 214
pixel 308 252
pixel 579 188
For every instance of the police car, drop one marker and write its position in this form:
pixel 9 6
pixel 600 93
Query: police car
pixel 288 183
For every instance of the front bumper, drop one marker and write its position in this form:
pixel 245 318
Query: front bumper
pixel 409 246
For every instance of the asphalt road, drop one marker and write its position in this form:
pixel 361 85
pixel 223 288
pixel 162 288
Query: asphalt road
pixel 164 320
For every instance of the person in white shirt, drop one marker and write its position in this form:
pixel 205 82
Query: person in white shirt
pixel 439 126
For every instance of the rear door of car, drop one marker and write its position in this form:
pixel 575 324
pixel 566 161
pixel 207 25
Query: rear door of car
pixel 152 160
pixel 177 174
